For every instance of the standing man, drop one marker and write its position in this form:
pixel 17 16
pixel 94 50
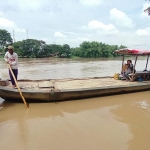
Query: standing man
pixel 12 59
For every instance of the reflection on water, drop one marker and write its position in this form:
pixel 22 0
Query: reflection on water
pixel 109 123
pixel 50 68
pixel 136 113
pixel 113 122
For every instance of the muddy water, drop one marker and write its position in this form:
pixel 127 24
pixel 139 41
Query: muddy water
pixel 115 122
pixel 52 68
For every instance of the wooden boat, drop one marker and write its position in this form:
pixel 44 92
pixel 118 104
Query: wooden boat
pixel 69 89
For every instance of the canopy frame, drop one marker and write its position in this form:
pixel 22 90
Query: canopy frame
pixel 135 62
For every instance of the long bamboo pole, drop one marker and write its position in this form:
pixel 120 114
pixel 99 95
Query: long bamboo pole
pixel 18 86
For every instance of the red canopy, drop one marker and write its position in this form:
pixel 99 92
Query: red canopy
pixel 127 51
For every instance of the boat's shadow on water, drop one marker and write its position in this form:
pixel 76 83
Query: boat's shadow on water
pixel 6 104
pixel 1 102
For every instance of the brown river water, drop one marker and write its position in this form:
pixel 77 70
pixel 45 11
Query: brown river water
pixel 120 122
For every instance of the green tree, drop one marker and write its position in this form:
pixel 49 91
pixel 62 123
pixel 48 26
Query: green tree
pixel 65 51
pixel 30 48
pixel 47 50
pixel 5 39
pixel 147 10
pixel 95 49
pixel 56 49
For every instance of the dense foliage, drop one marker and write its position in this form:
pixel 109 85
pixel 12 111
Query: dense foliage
pixel 147 10
pixel 5 39
pixel 95 49
pixel 37 48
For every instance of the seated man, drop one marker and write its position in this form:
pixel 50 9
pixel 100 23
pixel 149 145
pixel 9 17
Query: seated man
pixel 129 69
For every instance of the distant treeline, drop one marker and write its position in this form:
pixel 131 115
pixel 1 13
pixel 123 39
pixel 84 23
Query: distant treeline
pixel 37 48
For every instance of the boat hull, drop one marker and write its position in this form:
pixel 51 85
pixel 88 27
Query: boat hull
pixel 13 94
pixel 96 92
pixel 58 94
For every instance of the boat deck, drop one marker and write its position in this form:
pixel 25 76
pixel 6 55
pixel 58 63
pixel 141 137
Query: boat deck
pixel 69 89
pixel 71 84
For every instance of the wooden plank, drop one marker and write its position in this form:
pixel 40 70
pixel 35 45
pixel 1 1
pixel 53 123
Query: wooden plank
pixel 45 84
pixel 4 82
pixel 55 85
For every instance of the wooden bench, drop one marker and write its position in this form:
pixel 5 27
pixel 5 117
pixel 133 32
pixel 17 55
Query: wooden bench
pixel 138 74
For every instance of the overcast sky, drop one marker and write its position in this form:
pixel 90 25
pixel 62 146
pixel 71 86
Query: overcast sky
pixel 74 21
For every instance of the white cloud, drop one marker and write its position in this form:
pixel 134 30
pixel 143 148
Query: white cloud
pixel 143 32
pixel 1 13
pixel 113 32
pixel 144 14
pixel 91 2
pixel 30 5
pixel 83 28
pixel 60 35
pixel 99 26
pixel 71 33
pixel 121 18
pixel 7 24
pixel 82 39
pixel 75 40
pixel 43 19
pixel 45 39
pixel 19 30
